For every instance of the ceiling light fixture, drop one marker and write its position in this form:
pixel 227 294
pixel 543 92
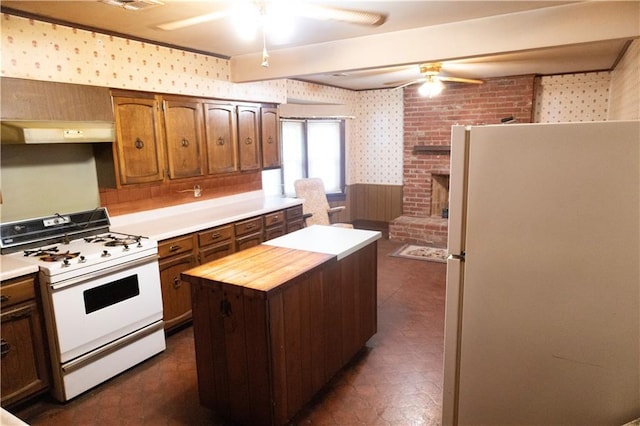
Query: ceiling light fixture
pixel 431 87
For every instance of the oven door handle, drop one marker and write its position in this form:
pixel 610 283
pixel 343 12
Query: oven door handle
pixel 102 272
pixel 109 348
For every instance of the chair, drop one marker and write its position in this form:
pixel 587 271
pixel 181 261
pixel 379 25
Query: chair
pixel 315 207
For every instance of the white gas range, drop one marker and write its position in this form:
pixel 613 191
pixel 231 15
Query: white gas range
pixel 100 293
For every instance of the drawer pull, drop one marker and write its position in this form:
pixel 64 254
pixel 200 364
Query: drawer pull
pixel 176 283
pixel 174 248
pixel 23 314
pixel 4 298
pixel 4 348
pixel 215 235
pixel 250 226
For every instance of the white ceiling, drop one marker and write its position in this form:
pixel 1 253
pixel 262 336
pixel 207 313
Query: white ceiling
pixel 300 57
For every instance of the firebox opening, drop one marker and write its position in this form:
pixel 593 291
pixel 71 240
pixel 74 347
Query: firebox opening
pixel 439 195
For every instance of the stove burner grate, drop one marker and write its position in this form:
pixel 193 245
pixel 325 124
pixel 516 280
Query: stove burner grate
pixel 41 251
pixel 113 241
pixel 54 257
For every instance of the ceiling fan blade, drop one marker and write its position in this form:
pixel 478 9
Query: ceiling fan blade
pixel 459 79
pixel 351 16
pixel 409 83
pixel 182 23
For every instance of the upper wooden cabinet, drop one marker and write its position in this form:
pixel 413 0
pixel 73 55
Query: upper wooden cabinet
pixel 138 140
pixel 270 128
pixel 184 138
pixel 166 137
pixel 248 134
pixel 221 137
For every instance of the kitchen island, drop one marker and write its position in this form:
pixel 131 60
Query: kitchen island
pixel 274 323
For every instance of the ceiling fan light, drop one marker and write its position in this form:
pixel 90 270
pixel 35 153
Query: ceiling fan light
pixel 432 87
pixel 246 19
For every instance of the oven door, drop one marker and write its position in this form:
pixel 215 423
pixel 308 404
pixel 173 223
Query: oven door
pixel 93 310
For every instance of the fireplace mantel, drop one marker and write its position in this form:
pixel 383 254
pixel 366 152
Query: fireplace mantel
pixel 432 149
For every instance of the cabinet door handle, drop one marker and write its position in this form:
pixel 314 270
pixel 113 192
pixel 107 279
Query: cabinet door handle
pixel 184 142
pixel 139 143
pixel 176 282
pixel 174 248
pixel 270 140
pixel 4 348
pixel 248 141
pixel 220 141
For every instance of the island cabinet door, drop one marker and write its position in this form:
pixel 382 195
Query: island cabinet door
pixel 358 299
pixel 225 377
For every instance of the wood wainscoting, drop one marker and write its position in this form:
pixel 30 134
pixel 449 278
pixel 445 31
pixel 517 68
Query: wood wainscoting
pixel 373 202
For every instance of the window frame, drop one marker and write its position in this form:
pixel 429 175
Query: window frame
pixel 331 196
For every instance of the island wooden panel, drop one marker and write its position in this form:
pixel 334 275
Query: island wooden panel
pixel 273 325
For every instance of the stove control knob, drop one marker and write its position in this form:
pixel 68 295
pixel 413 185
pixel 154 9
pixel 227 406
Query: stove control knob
pixel 82 259
pixel 105 253
pixel 126 247
pixel 66 262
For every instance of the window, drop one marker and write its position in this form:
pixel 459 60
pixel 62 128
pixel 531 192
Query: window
pixel 313 148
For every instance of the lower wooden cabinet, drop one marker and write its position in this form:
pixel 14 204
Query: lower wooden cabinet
pixel 248 233
pixel 274 225
pixel 23 357
pixel 215 243
pixel 294 219
pixel 176 255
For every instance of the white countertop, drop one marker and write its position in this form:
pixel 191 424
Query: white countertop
pixel 8 419
pixel 169 222
pixel 12 266
pixel 335 240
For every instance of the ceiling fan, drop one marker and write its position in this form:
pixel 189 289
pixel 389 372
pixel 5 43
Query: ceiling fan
pixel 432 80
pixel 254 14
pixel 297 8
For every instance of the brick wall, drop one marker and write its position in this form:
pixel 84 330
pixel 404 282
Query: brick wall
pixel 428 121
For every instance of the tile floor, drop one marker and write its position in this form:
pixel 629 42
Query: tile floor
pixel 395 380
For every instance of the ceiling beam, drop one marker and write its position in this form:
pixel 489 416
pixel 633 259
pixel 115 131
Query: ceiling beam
pixel 570 24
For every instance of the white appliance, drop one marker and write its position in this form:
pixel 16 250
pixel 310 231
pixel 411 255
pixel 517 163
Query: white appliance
pixel 100 294
pixel 542 322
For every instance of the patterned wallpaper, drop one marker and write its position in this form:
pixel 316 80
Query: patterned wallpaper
pixel 624 103
pixel 38 50
pixel 380 129
pixel 572 97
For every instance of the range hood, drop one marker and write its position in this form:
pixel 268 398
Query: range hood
pixel 48 132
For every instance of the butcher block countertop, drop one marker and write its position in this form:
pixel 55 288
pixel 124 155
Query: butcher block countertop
pixel 174 221
pixel 262 268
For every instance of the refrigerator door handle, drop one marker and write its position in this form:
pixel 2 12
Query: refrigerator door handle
pixel 459 257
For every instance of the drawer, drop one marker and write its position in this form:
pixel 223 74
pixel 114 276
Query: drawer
pixel 294 212
pixel 274 219
pixel 248 226
pixel 215 235
pixel 17 290
pixel 175 246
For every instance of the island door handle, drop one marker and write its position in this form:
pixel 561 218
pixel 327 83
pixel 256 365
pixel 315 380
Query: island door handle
pixel 220 141
pixel 248 141
pixel 176 282
pixel 139 143
pixel 5 347
pixel 184 142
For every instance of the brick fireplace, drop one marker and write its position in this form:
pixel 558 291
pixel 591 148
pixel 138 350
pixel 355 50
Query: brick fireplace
pixel 427 136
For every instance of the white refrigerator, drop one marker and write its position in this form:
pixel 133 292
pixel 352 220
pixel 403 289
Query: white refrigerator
pixel 542 323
